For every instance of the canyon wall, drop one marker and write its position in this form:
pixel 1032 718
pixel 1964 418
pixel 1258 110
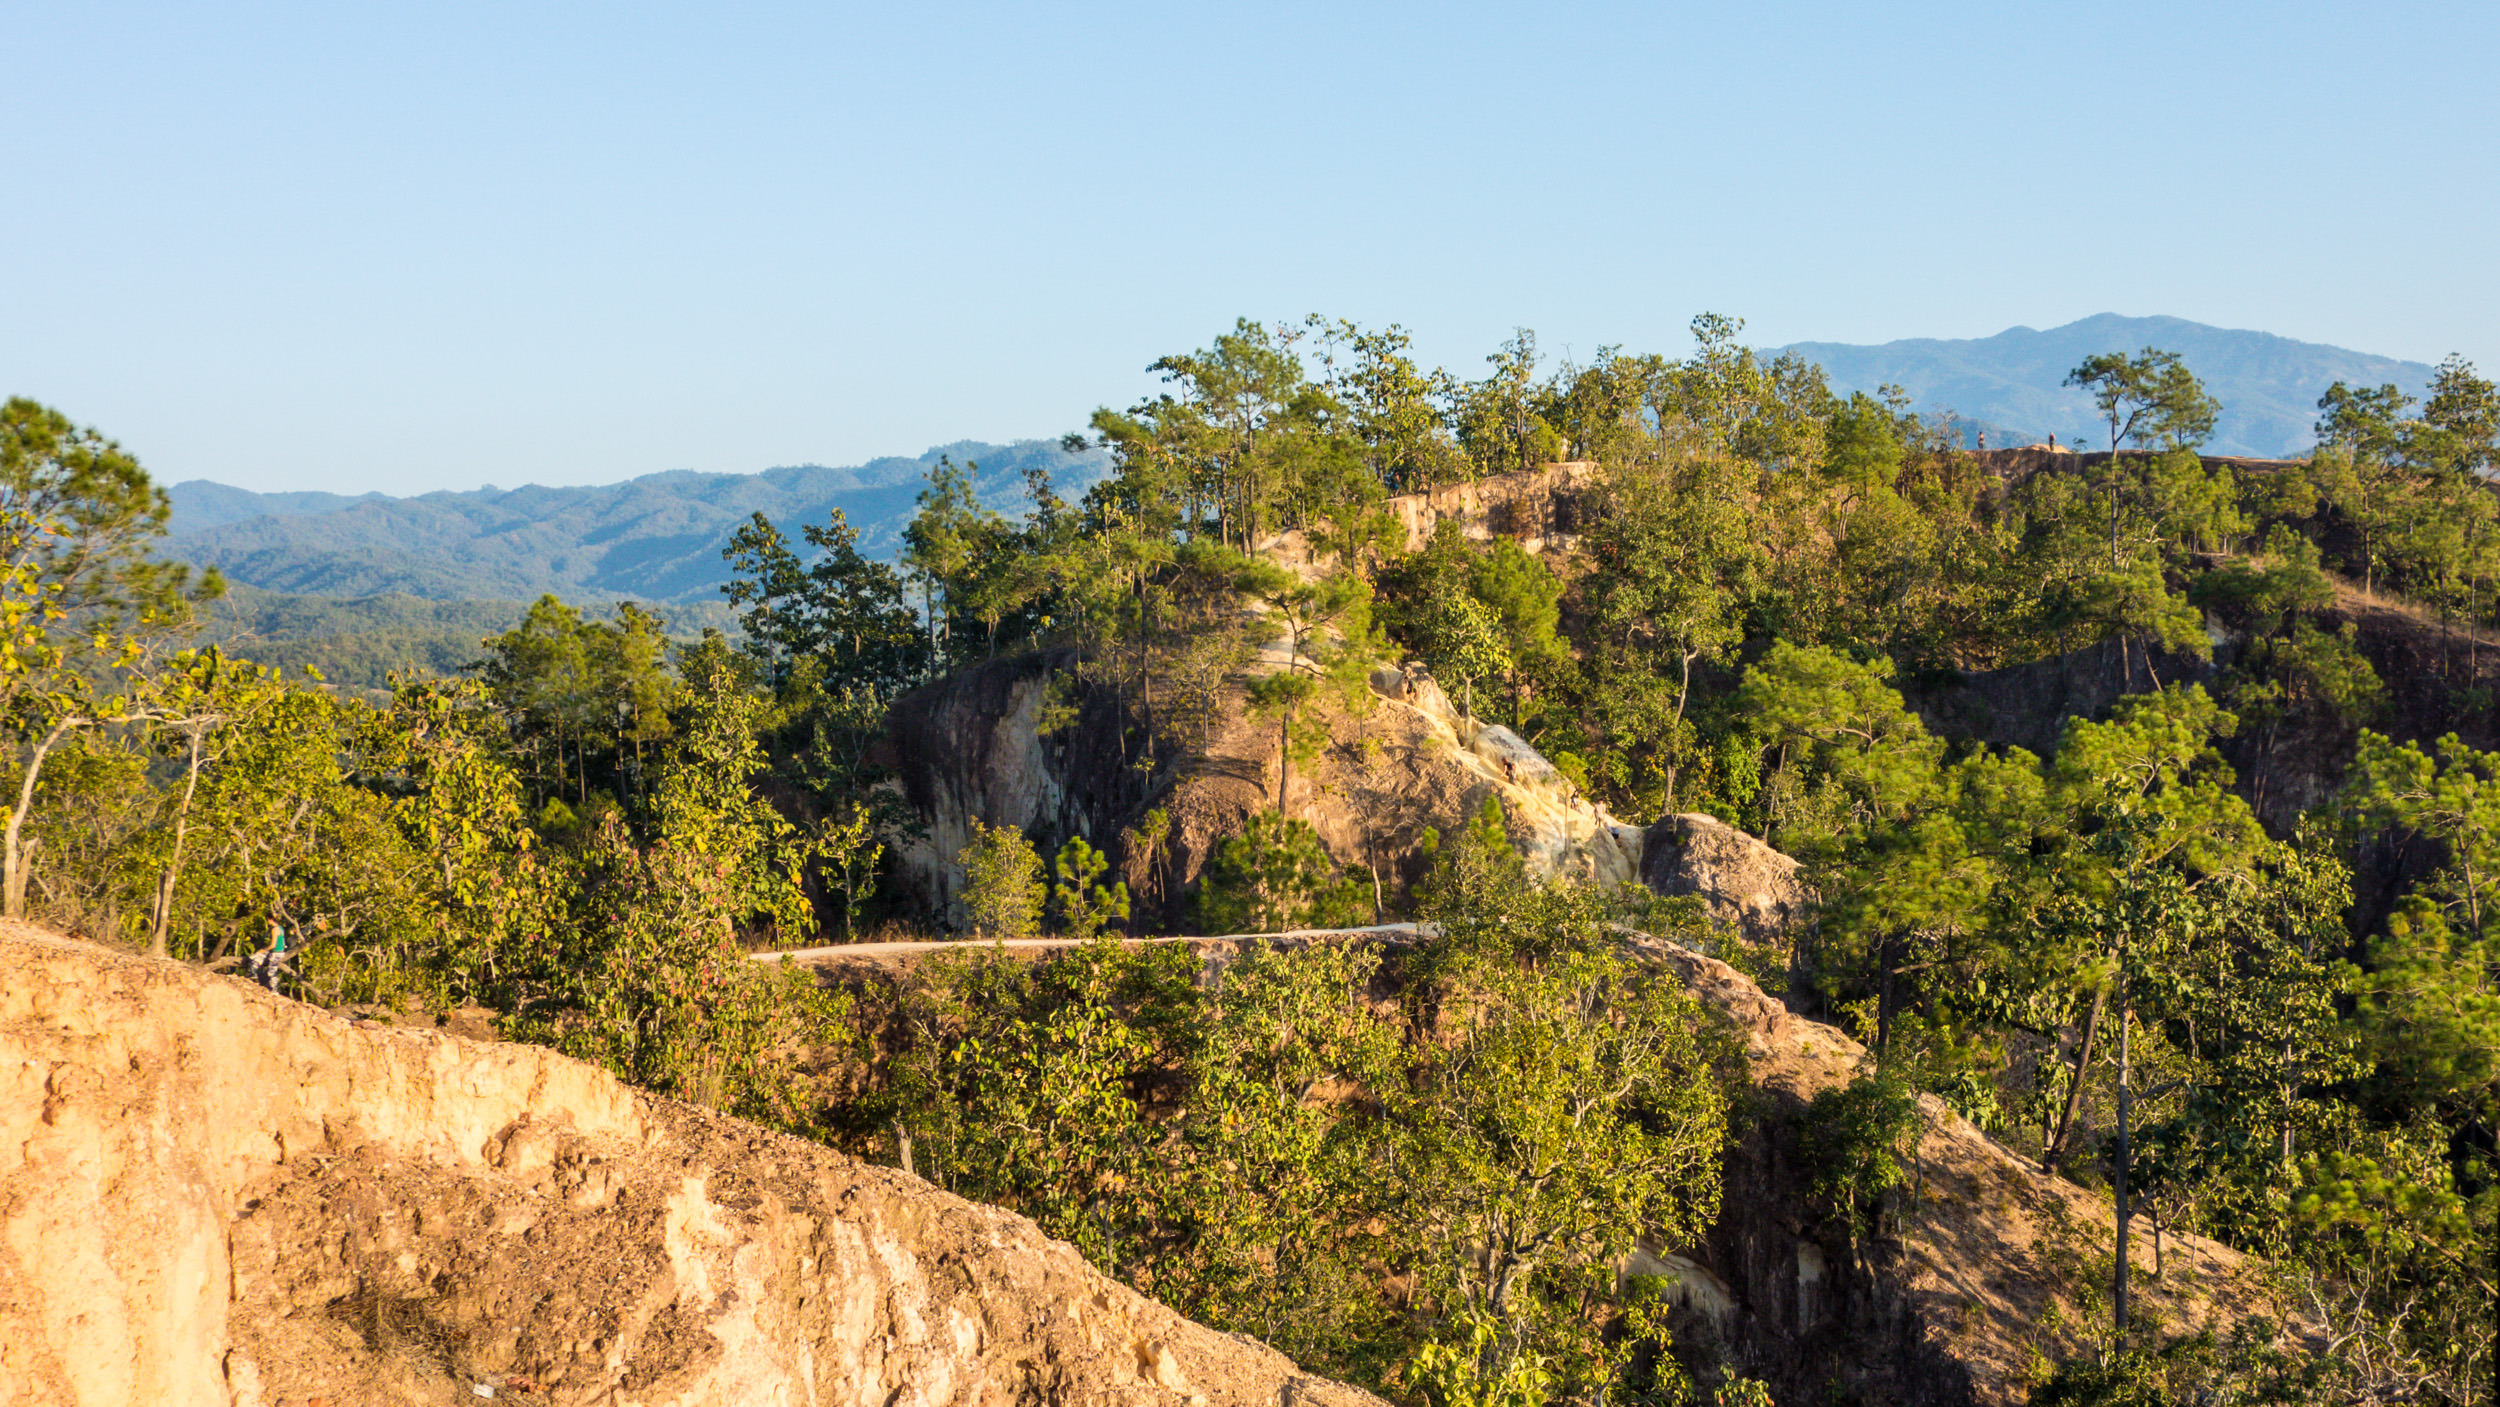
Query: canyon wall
pixel 212 1195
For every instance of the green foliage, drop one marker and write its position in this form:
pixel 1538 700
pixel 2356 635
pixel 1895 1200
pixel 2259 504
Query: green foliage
pixel 1564 1109
pixel 1478 617
pixel 1328 641
pixel 842 610
pixel 2254 1365
pixel 661 993
pixel 1083 906
pixel 99 515
pixel 1533 1094
pixel 705 803
pixel 464 807
pixel 1003 890
pixel 593 688
pixel 2433 995
pixel 1276 876
pixel 2149 398
pixel 1673 559
pixel 1453 1373
pixel 1857 1138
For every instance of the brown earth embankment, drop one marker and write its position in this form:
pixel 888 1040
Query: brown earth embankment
pixel 212 1195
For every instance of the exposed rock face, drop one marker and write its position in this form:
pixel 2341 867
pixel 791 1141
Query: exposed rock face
pixel 1977 1284
pixel 971 747
pixel 1556 828
pixel 210 1195
pixel 1402 760
pixel 1743 882
pixel 1539 509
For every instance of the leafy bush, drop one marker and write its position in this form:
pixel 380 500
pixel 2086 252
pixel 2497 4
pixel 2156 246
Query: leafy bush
pixel 1856 1137
pixel 1276 876
pixel 1003 891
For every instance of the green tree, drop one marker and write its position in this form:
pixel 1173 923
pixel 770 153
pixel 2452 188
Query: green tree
pixel 2433 992
pixel 201 703
pixel 100 516
pixel 1393 405
pixel 1084 906
pixel 2367 470
pixel 1498 418
pixel 2150 398
pixel 632 690
pixel 1325 629
pixel 1276 876
pixel 1857 1137
pixel 541 671
pixel 965 556
pixel 2460 425
pixel 1673 559
pixel 1524 596
pixel 440 754
pixel 1562 1109
pixel 1003 890
pixel 80 595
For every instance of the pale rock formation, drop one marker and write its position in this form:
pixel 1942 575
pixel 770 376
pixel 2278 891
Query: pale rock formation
pixel 1743 882
pixel 212 1195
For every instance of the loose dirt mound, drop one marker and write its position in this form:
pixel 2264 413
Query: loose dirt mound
pixel 209 1194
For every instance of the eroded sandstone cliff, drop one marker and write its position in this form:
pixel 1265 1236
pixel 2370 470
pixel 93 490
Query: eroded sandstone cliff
pixel 211 1195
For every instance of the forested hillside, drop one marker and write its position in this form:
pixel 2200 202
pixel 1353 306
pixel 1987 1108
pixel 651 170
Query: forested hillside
pixel 2140 807
pixel 656 538
pixel 359 643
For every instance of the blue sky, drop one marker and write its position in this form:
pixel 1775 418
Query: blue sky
pixel 417 247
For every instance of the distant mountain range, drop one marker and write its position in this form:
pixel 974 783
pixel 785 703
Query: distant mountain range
pixel 659 537
pixel 2268 385
pixel 656 538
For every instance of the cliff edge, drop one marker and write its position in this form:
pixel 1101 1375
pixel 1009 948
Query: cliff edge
pixel 212 1195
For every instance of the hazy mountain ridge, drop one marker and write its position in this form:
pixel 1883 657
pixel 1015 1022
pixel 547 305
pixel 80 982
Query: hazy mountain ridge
pixel 2268 385
pixel 658 537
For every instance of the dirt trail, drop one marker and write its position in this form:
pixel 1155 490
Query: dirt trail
pixel 212 1195
pixel 904 952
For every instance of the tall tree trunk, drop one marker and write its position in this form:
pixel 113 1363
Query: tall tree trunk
pixel 2074 1094
pixel 13 843
pixel 2126 1109
pixel 1284 757
pixel 1683 691
pixel 164 916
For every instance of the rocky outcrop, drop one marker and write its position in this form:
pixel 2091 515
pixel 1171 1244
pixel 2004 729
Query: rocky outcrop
pixel 1540 509
pixel 1742 882
pixel 210 1195
pixel 1402 760
pixel 1980 1280
pixel 1557 829
pixel 971 747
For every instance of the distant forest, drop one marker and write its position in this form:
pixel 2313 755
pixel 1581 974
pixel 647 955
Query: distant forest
pixel 358 643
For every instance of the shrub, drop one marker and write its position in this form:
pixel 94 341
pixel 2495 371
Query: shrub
pixel 1276 876
pixel 1003 890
